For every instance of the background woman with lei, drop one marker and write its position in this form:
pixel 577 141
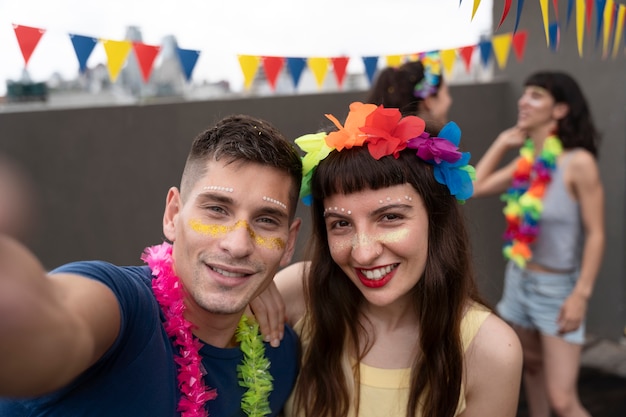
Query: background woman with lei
pixel 554 238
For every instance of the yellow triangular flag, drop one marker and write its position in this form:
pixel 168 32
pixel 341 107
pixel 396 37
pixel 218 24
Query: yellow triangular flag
pixel 319 68
pixel 501 48
pixel 394 60
pixel 117 52
pixel 621 11
pixel 474 8
pixel 249 65
pixel 608 14
pixel 448 58
pixel 545 15
pixel 580 25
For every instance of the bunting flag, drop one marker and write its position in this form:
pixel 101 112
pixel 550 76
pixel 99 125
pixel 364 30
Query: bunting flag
pixel 371 64
pixel 555 36
pixel 600 13
pixel 475 7
pixel 188 59
pixel 145 54
pixel 505 12
pixel 580 25
pixel 588 14
pixel 501 46
pixel 466 53
pixel 448 58
pixel 621 16
pixel 520 7
pixel 340 65
pixel 485 52
pixel 394 60
pixel 319 67
pixel 249 66
pixel 117 52
pixel 27 38
pixel 555 5
pixel 609 13
pixel 295 67
pixel 545 16
pixel 519 44
pixel 83 47
pixel 272 65
pixel 570 8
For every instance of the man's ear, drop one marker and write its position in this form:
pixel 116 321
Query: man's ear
pixel 560 111
pixel 173 206
pixel 291 242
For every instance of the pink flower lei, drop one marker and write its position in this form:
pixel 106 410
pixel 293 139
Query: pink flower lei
pixel 170 294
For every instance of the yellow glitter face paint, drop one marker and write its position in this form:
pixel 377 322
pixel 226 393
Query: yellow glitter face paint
pixel 216 230
pixel 362 239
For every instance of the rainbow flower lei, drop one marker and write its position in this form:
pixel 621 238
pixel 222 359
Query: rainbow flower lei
pixel 385 132
pixel 254 370
pixel 524 198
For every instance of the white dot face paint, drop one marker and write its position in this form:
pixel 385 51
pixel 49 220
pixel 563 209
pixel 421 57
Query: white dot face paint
pixel 535 108
pixel 218 188
pixel 278 203
pixel 381 247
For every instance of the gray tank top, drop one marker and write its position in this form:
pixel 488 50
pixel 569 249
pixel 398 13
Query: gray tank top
pixel 560 241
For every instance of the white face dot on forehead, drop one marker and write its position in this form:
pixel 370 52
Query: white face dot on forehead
pixel 273 200
pixel 218 188
pixel 399 200
pixel 336 209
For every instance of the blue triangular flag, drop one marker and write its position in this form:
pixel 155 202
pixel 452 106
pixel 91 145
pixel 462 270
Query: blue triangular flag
pixel 520 6
pixel 83 46
pixel 188 59
pixel 553 33
pixel 600 4
pixel 296 66
pixel 485 52
pixel 371 64
pixel 570 9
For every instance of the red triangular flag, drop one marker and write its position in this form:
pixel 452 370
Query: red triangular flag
pixel 28 38
pixel 588 13
pixel 555 4
pixel 272 66
pixel 505 12
pixel 466 53
pixel 519 44
pixel 339 66
pixel 146 54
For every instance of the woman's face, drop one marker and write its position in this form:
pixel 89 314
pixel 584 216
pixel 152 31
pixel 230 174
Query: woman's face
pixel 536 108
pixel 379 238
pixel 439 105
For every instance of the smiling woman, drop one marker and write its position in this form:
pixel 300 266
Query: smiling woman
pixel 387 308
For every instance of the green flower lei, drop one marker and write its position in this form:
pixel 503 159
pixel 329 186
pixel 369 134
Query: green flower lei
pixel 253 372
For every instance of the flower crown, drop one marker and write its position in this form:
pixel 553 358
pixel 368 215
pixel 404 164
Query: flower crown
pixel 386 132
pixel 429 84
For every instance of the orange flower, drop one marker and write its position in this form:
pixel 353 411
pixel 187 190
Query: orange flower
pixel 350 135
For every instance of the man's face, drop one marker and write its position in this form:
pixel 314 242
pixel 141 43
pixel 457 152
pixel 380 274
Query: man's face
pixel 230 234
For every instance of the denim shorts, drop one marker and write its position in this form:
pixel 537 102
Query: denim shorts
pixel 533 299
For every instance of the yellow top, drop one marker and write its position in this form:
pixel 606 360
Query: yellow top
pixel 384 392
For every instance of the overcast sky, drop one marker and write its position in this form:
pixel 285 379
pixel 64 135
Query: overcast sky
pixel 223 29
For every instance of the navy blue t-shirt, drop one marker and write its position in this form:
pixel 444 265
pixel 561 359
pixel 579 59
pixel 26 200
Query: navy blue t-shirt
pixel 137 375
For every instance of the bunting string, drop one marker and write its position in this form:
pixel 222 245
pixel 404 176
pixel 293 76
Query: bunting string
pixel 609 35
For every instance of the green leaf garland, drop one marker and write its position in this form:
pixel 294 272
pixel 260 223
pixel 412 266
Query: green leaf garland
pixel 253 372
